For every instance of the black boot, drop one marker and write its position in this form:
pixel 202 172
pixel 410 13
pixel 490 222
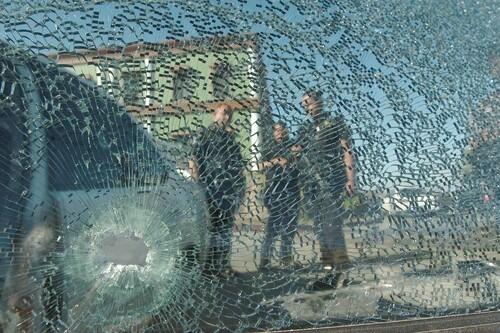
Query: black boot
pixel 265 264
pixel 288 263
pixel 327 282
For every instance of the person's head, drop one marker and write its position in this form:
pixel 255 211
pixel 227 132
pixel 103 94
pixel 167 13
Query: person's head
pixel 280 132
pixel 222 115
pixel 312 101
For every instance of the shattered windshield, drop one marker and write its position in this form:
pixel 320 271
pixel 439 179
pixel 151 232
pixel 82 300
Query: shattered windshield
pixel 241 166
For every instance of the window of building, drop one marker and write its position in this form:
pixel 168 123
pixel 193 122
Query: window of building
pixel 185 83
pixel 132 87
pixel 222 80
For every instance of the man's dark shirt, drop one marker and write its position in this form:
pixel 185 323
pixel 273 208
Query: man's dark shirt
pixel 282 183
pixel 220 166
pixel 323 156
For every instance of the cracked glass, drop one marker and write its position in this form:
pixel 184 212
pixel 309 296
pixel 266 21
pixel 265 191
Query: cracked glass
pixel 241 166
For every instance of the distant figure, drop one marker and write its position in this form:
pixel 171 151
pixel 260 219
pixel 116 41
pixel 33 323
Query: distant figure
pixel 328 172
pixel 482 170
pixel 218 165
pixel 281 197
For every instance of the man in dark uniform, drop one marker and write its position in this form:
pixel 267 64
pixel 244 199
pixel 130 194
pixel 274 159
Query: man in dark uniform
pixel 327 176
pixel 218 165
pixel 281 197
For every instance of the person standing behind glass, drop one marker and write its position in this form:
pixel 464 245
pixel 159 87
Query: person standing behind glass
pixel 281 197
pixel 328 172
pixel 218 165
pixel 481 170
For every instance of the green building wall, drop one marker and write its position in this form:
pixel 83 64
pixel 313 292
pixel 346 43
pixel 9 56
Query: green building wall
pixel 168 119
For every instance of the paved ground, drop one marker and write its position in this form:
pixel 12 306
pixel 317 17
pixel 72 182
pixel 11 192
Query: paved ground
pixel 403 267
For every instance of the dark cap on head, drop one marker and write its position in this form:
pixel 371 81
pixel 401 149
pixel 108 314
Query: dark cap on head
pixel 279 123
pixel 316 94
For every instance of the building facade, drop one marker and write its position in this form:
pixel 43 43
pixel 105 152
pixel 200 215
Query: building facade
pixel 172 86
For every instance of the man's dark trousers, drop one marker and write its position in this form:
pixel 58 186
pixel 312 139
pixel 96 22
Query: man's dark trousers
pixel 282 222
pixel 220 229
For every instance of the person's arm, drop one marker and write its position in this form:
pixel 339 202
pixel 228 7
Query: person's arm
pixel 268 160
pixel 265 165
pixel 193 169
pixel 280 160
pixel 349 166
pixel 348 156
pixel 197 143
